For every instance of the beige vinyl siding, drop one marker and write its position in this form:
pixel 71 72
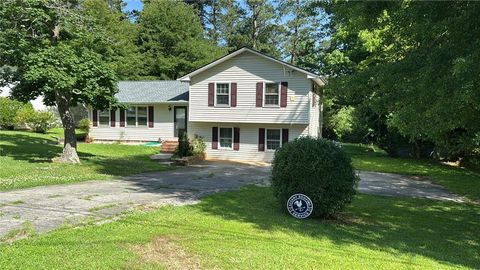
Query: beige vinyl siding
pixel 163 127
pixel 246 70
pixel 314 115
pixel 248 140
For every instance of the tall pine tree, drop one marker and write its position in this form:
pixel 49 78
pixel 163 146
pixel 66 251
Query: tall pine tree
pixel 171 40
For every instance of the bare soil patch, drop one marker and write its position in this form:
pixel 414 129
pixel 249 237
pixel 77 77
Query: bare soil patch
pixel 163 250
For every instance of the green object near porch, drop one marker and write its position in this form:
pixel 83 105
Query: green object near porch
pixel 152 144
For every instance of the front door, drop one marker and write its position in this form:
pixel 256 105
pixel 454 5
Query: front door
pixel 180 120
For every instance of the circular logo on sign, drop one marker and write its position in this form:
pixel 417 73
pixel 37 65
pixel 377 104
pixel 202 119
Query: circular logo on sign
pixel 300 206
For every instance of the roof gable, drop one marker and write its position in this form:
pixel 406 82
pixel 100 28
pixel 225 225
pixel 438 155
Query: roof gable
pixel 315 77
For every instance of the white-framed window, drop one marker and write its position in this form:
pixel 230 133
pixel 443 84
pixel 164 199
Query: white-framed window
pixel 137 116
pixel 271 94
pixel 142 116
pixel 225 137
pixel 273 139
pixel 104 118
pixel 222 94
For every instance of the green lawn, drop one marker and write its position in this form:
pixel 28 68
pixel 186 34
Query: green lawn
pixel 247 230
pixel 244 229
pixel 58 133
pixel 25 161
pixel 459 180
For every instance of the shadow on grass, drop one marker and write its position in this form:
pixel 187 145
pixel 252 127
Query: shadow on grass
pixel 124 166
pixel 363 149
pixel 445 232
pixel 39 149
pixel 29 148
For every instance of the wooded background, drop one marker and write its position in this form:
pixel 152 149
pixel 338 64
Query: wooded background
pixel 404 75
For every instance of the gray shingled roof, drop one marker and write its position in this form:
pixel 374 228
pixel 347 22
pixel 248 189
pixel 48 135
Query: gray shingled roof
pixel 152 91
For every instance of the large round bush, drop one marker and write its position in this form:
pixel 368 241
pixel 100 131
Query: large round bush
pixel 317 168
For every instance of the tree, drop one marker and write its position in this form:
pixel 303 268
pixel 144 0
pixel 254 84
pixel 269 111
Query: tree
pixel 171 40
pixel 261 26
pixel 117 46
pixel 234 24
pixel 303 30
pixel 414 63
pixel 116 5
pixel 52 45
pixel 230 22
pixel 8 111
pixel 251 23
pixel 199 8
pixel 212 15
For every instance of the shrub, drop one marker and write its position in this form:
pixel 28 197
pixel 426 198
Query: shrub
pixel 317 168
pixel 8 110
pixel 43 121
pixel 84 125
pixel 24 116
pixel 184 149
pixel 198 145
pixel 38 121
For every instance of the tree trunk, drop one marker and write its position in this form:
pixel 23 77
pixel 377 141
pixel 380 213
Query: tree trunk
pixel 255 30
pixel 320 116
pixel 214 22
pixel 69 154
pixel 295 33
pixel 418 149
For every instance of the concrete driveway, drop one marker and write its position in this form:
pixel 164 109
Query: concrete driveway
pixel 389 184
pixel 49 207
pixel 45 208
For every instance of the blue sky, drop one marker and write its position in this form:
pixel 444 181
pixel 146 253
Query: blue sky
pixel 138 5
pixel 133 4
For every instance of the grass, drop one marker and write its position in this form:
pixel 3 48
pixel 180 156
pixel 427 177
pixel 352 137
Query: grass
pixel 58 133
pixel 89 197
pixel 458 180
pixel 243 229
pixel 247 230
pixel 26 230
pixel 25 160
pixel 101 207
pixel 17 202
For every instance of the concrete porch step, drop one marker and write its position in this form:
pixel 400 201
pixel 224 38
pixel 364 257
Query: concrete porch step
pixel 162 157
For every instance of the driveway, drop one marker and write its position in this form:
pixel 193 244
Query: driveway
pixel 49 207
pixel 389 184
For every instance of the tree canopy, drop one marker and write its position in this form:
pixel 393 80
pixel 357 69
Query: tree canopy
pixel 414 64
pixel 171 40
pixel 401 72
pixel 52 45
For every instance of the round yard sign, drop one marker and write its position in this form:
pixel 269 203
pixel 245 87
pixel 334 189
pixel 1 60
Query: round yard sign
pixel 300 206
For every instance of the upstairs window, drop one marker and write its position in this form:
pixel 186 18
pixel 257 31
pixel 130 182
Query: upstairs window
pixel 273 139
pixel 104 118
pixel 225 137
pixel 272 94
pixel 137 116
pixel 222 94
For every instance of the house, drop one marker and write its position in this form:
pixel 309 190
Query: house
pixel 245 105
